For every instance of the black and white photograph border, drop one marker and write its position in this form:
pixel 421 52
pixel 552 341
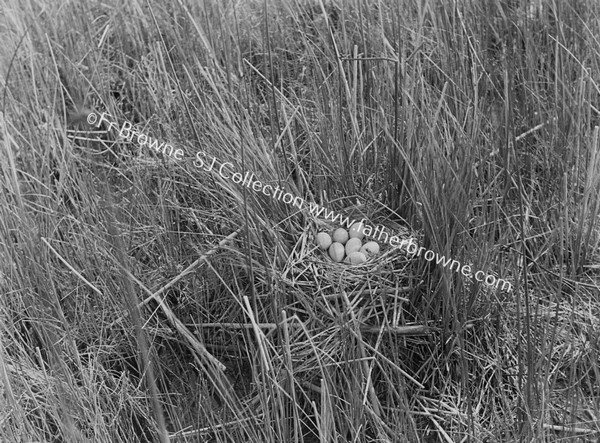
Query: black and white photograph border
pixel 300 221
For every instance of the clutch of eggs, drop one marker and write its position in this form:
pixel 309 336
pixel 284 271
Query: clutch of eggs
pixel 348 245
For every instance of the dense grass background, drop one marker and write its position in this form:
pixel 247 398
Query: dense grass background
pixel 145 300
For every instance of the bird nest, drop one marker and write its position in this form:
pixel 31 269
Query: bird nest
pixel 372 291
pixel 342 315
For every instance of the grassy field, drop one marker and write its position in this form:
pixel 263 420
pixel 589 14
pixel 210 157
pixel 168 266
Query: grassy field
pixel 146 299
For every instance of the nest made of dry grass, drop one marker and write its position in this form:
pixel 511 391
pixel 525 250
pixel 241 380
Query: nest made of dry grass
pixel 343 326
pixel 374 290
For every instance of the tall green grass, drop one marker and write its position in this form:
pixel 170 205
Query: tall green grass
pixel 144 299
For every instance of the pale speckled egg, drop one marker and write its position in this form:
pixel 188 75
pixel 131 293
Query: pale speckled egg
pixel 336 252
pixel 324 240
pixel 353 245
pixel 340 235
pixel 356 230
pixel 370 248
pixel 356 258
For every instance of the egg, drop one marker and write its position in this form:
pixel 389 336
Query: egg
pixel 353 245
pixel 340 235
pixel 370 248
pixel 336 252
pixel 323 240
pixel 356 230
pixel 356 258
